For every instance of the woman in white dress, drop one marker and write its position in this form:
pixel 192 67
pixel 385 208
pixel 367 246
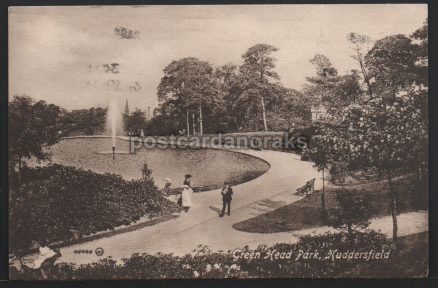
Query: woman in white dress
pixel 186 198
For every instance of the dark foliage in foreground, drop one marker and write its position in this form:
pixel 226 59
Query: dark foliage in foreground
pixel 409 260
pixel 59 203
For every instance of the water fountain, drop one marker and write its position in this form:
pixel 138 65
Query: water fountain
pixel 114 127
pixel 112 116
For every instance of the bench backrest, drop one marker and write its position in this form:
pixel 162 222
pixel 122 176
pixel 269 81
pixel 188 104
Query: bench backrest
pixel 310 182
pixel 27 261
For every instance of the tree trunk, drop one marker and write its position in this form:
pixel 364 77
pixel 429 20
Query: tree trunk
pixel 264 115
pixel 323 211
pixel 417 188
pixel 393 199
pixel 193 124
pixel 349 229
pixel 200 119
pixel 263 103
pixel 188 126
pixel 19 172
pixel 423 188
pixel 365 75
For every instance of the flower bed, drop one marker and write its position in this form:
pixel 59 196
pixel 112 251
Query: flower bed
pixel 205 263
pixel 66 203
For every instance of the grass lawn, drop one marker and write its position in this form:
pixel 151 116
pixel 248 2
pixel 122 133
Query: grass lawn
pixel 306 213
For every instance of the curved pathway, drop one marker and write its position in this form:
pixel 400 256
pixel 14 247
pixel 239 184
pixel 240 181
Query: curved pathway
pixel 202 226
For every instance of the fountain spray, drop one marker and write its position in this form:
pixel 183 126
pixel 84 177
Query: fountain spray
pixel 113 113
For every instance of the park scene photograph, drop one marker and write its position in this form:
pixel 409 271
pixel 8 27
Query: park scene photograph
pixel 218 141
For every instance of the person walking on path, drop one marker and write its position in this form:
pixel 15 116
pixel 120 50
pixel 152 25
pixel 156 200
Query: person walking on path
pixel 186 198
pixel 227 193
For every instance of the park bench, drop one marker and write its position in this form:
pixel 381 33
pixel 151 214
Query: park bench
pixel 27 261
pixel 308 187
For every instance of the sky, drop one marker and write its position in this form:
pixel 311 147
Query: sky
pixel 56 53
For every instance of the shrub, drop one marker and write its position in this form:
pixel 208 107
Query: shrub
pixel 204 263
pixel 58 203
pixel 352 214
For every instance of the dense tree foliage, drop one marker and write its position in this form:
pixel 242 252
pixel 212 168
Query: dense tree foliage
pixel 188 87
pixel 84 121
pixel 135 121
pixel 329 89
pixel 32 126
pixel 384 127
pixel 258 71
pixel 229 98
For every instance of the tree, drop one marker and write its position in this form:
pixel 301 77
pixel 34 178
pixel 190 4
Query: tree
pixel 391 65
pixel 384 129
pixel 334 92
pixel 352 212
pixel 248 103
pixel 421 45
pixel 230 88
pixel 346 91
pixel 258 65
pixel 189 84
pixel 135 121
pixel 399 69
pixel 323 65
pixel 84 121
pixel 324 80
pixel 360 43
pixel 329 89
pixel 385 134
pixel 146 177
pixel 329 150
pixel 290 110
pixel 32 127
pixel 379 134
pixel 165 124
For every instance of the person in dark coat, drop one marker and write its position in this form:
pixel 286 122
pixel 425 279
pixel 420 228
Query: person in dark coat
pixel 187 180
pixel 227 196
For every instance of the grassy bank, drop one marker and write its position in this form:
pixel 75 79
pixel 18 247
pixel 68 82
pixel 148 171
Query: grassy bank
pixel 306 213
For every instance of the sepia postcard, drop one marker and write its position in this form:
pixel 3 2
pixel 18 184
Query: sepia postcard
pixel 218 141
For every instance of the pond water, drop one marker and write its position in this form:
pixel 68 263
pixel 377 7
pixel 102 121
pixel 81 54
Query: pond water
pixel 209 167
